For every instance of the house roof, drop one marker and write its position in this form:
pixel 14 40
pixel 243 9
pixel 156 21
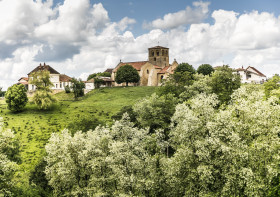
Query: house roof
pixel 24 78
pixel 44 67
pixel 23 83
pixel 158 47
pixel 64 78
pixel 109 70
pixel 257 71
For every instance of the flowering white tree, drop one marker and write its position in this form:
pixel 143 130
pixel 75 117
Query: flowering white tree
pixel 7 167
pixel 226 152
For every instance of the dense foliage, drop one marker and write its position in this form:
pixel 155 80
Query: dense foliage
pixel 205 69
pixel 127 74
pixel 185 67
pixel 42 97
pixel 224 82
pixel 16 97
pixel 7 166
pixel 77 87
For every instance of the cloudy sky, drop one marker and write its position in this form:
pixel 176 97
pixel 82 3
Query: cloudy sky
pixel 79 37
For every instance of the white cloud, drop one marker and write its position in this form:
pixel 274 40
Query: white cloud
pixel 183 17
pixel 77 39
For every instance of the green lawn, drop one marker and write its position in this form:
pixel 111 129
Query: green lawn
pixel 33 127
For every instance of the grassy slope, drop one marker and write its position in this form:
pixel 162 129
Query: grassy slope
pixel 34 127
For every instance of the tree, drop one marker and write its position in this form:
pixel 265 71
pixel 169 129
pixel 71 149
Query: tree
pixel 271 84
pixel 205 69
pixel 7 166
pixel 185 67
pixel 77 87
pixel 98 82
pixel 224 82
pixel 127 74
pixel 42 97
pixel 16 97
pixel 94 75
pixel 67 89
pixel 225 152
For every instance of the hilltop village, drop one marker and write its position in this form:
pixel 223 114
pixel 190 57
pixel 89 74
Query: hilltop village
pixel 151 73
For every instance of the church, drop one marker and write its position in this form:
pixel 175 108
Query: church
pixel 151 72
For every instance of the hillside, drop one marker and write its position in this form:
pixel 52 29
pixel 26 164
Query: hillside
pixel 33 127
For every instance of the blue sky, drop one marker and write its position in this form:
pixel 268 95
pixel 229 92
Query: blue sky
pixel 79 37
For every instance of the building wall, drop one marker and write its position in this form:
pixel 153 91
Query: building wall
pixel 89 86
pixel 159 56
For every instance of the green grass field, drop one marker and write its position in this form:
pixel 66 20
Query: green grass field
pixel 33 127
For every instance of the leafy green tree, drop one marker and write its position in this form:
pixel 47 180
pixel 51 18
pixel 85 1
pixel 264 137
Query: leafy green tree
pixel 127 74
pixel 155 111
pixel 98 82
pixel 271 84
pixel 176 83
pixel 7 167
pixel 77 87
pixel 205 69
pixel 42 97
pixel 94 75
pixel 185 67
pixel 16 97
pixel 224 82
pixel 201 84
pixel 67 89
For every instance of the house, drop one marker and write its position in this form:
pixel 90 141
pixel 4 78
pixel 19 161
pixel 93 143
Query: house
pixel 251 75
pixel 107 82
pixel 59 80
pixel 151 72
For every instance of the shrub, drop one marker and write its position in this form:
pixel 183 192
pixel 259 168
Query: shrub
pixel 16 97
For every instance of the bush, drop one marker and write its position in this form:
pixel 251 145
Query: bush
pixel 67 89
pixel 16 97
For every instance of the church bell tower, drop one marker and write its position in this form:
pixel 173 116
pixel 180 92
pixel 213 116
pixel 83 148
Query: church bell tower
pixel 159 56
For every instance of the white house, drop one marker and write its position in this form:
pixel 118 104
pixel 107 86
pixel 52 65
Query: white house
pixel 59 80
pixel 251 75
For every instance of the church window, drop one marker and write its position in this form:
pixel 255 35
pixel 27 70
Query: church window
pixel 157 53
pixel 161 77
pixel 155 58
pixel 147 71
pixel 165 59
pixel 153 54
pixel 166 53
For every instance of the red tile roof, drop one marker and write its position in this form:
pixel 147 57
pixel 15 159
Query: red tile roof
pixel 24 78
pixel 44 67
pixel 64 78
pixel 164 70
pixel 136 65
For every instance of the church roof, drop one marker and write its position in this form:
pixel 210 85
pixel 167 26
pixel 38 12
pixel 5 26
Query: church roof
pixel 24 78
pixel 164 70
pixel 44 67
pixel 158 47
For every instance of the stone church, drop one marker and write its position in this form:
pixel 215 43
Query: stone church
pixel 152 71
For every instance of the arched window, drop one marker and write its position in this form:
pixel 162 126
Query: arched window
pixel 153 54
pixel 157 53
pixel 161 77
pixel 147 71
pixel 155 59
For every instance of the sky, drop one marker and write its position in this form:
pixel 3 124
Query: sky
pixel 80 37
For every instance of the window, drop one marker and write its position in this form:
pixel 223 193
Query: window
pixel 157 53
pixel 55 85
pixel 147 71
pixel 155 59
pixel 161 77
pixel 153 54
pixel 60 85
pixel 249 76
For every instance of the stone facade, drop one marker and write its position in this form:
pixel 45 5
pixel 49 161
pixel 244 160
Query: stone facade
pixel 151 72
